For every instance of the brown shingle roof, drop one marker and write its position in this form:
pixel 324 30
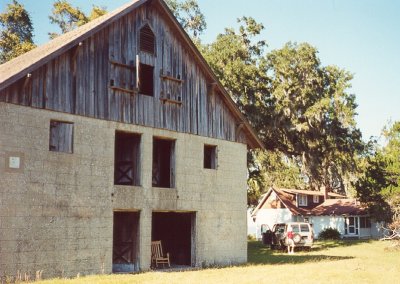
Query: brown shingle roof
pixel 348 206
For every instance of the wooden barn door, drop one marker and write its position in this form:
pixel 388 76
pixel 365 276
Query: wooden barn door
pixel 126 242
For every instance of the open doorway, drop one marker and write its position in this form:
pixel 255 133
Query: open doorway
pixel 126 242
pixel 176 230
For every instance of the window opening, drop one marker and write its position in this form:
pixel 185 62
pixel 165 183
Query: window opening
pixel 302 200
pixel 210 157
pixel 163 162
pixel 127 159
pixel 315 198
pixel 146 79
pixel 61 136
pixel 365 222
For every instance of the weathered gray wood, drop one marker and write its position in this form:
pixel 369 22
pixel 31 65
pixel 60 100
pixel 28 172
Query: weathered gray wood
pixel 98 79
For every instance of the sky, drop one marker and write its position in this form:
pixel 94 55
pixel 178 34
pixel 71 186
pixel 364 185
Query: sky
pixel 361 36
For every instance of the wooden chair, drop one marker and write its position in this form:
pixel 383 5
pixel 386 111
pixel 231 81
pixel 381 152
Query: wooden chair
pixel 157 256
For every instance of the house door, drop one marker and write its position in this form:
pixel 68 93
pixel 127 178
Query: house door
pixel 126 242
pixel 351 226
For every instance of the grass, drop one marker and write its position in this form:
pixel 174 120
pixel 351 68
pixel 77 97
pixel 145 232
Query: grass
pixel 327 262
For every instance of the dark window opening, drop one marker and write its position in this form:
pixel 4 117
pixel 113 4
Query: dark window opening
pixel 176 231
pixel 147 40
pixel 127 159
pixel 61 136
pixel 163 163
pixel 125 242
pixel 210 157
pixel 146 79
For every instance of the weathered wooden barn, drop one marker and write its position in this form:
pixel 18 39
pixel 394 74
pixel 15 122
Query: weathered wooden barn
pixel 114 135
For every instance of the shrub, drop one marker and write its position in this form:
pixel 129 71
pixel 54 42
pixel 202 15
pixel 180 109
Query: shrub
pixel 329 234
pixel 251 237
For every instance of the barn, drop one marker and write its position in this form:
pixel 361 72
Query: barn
pixel 115 135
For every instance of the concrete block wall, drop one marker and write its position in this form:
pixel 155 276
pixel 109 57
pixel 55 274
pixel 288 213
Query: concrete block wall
pixel 56 210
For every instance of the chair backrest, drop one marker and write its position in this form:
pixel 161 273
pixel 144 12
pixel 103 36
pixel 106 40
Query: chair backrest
pixel 156 249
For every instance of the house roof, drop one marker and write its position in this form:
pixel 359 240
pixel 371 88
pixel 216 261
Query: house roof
pixel 17 68
pixel 312 192
pixel 338 206
pixel 348 206
pixel 285 197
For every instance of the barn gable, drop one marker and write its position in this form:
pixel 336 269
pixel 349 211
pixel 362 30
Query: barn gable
pixel 135 65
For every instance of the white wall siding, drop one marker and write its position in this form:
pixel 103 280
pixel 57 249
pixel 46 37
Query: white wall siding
pixel 320 223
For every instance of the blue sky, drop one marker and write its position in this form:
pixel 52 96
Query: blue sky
pixel 362 37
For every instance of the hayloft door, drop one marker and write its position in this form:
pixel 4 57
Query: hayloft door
pixel 125 242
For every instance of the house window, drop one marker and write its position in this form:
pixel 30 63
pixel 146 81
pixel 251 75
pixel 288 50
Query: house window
pixel 351 226
pixel 146 79
pixel 163 163
pixel 127 158
pixel 365 222
pixel 147 40
pixel 61 136
pixel 210 157
pixel 302 200
pixel 315 198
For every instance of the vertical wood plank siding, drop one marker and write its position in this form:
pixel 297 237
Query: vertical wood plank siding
pixel 79 82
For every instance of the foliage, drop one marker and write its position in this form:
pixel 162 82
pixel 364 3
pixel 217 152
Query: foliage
pixel 16 32
pixel 239 62
pixel 189 15
pixel 378 185
pixel 251 237
pixel 271 169
pixel 391 152
pixel 301 109
pixel 314 116
pixel 329 234
pixel 68 17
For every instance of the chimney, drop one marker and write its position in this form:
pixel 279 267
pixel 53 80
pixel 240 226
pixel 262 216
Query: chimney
pixel 325 191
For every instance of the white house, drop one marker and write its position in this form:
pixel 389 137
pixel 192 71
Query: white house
pixel 322 210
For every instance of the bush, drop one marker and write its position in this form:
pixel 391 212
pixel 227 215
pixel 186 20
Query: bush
pixel 329 234
pixel 251 237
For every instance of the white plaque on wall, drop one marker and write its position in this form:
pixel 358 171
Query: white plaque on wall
pixel 14 162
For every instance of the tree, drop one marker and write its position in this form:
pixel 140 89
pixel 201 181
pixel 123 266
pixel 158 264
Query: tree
pixel 16 32
pixel 391 152
pixel 68 17
pixel 189 16
pixel 313 118
pixel 379 183
pixel 299 108
pixel 271 169
pixel 239 62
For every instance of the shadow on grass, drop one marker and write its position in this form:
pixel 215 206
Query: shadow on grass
pixel 261 254
pixel 322 245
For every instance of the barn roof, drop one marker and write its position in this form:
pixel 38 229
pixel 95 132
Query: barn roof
pixel 15 69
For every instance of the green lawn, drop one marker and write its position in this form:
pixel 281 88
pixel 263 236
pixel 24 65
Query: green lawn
pixel 327 262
